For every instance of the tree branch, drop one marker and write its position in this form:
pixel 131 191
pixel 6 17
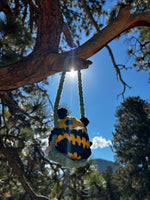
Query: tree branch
pixel 4 7
pixel 79 193
pixel 116 66
pixel 66 183
pixel 36 67
pixel 14 109
pixel 50 26
pixel 86 8
pixel 19 172
pixel 40 64
pixel 122 23
pixel 68 36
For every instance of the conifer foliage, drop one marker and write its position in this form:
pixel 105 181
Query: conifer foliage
pixel 36 38
pixel 48 23
pixel 131 144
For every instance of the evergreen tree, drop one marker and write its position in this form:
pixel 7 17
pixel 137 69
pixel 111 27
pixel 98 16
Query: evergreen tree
pixel 28 21
pixel 24 126
pixel 112 189
pixel 131 144
pixel 85 182
pixel 33 38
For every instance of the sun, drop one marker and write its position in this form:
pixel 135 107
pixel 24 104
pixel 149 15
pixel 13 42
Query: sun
pixel 72 73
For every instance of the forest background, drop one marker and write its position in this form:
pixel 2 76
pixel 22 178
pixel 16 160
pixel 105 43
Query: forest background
pixel 32 48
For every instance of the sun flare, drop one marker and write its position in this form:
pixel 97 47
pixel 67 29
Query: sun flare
pixel 72 72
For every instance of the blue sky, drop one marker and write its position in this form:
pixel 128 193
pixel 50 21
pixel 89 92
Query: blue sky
pixel 101 89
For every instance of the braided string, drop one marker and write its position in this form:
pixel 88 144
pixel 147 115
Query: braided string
pixel 80 91
pixel 59 93
pixel 58 97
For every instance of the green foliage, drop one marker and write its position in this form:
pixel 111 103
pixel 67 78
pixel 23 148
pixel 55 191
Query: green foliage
pixel 24 126
pixel 78 21
pixel 15 40
pixel 113 13
pixel 140 49
pixel 131 144
pixel 140 44
pixel 112 189
pixel 79 184
pixel 19 41
pixel 76 17
pixel 25 120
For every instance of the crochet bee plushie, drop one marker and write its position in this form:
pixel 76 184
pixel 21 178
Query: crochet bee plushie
pixel 72 138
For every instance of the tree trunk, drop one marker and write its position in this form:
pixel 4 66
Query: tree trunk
pixel 18 171
pixel 50 26
pixel 45 59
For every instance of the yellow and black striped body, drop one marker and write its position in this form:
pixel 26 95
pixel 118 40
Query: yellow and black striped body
pixel 70 122
pixel 72 139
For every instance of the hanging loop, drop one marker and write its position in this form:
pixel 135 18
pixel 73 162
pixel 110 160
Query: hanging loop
pixel 58 97
pixel 59 93
pixel 64 149
pixel 80 91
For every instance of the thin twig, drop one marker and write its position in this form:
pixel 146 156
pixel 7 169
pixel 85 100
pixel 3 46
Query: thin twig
pixel 45 93
pixel 14 164
pixel 3 114
pixel 118 71
pixel 87 10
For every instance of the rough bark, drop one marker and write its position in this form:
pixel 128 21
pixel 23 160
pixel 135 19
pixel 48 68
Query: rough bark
pixel 45 61
pixel 124 21
pixel 50 25
pixel 36 67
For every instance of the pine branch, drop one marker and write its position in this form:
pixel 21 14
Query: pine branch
pixel 18 171
pixel 118 72
pixel 45 60
pixel 68 35
pixel 14 108
pixel 116 66
pixel 66 183
pixel 4 7
pixel 79 193
pixel 45 93
pixel 87 10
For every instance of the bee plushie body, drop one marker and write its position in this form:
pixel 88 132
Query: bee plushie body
pixel 72 138
pixel 73 143
pixel 69 122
